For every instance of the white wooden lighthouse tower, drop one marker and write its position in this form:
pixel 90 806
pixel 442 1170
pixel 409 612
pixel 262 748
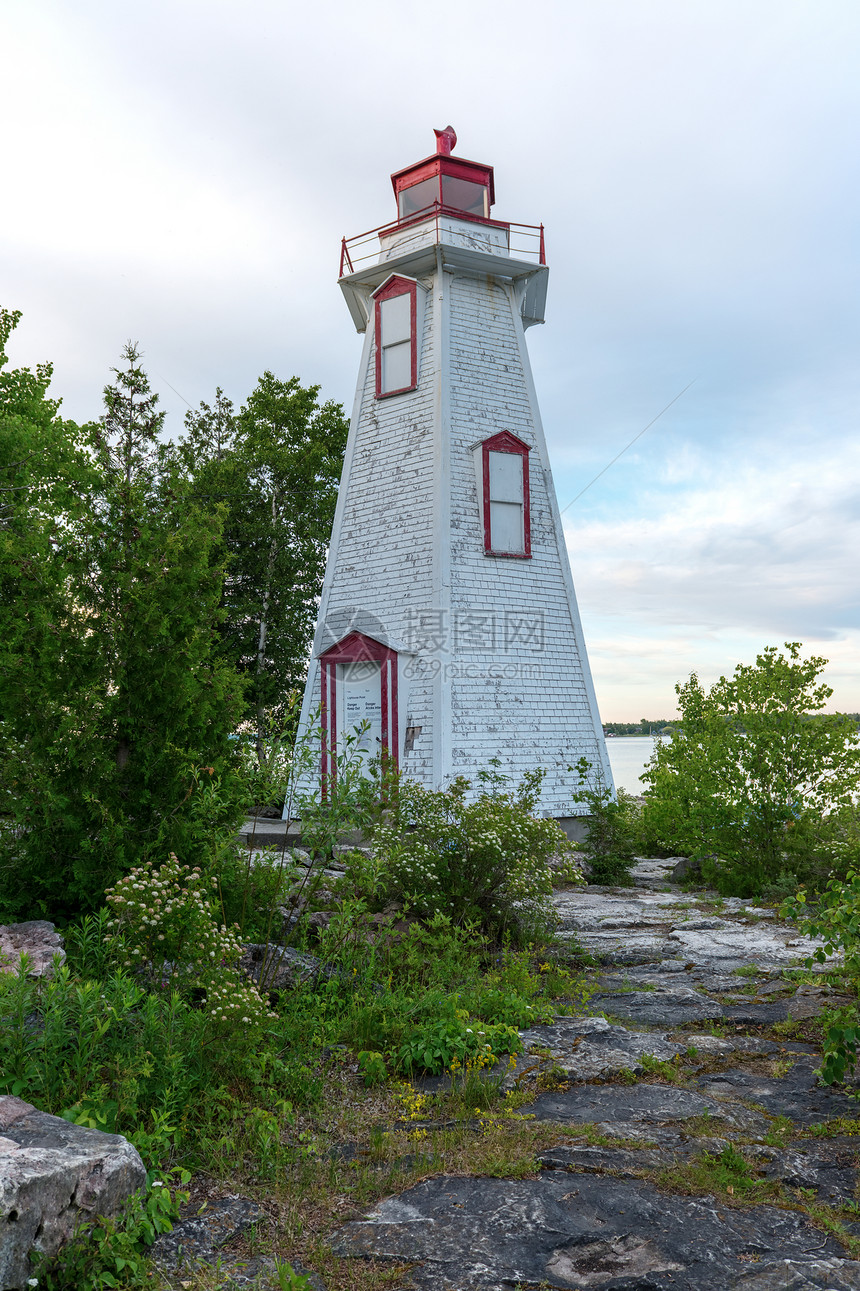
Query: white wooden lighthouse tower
pixel 448 624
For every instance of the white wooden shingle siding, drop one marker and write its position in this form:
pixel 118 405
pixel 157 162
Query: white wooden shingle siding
pixel 493 662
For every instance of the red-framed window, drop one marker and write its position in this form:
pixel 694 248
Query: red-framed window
pixel 358 678
pixel 396 312
pixel 505 476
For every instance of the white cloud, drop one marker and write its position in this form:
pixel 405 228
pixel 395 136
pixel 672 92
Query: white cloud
pixel 706 579
pixel 181 172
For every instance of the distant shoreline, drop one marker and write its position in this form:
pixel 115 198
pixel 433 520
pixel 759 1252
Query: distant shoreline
pixel 658 735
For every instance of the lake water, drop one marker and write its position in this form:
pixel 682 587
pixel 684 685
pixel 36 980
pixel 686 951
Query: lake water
pixel 628 755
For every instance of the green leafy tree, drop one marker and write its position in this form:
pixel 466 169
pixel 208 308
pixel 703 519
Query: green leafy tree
pixel 275 466
pixel 755 775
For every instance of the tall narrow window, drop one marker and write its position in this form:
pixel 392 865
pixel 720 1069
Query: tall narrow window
pixel 507 527
pixel 396 344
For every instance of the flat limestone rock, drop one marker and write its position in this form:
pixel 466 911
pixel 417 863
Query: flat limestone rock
pixel 627 1162
pixel 53 1177
pixel 641 925
pixel 197 1240
pixel 669 1006
pixel 749 1012
pixel 590 909
pixel 37 939
pixel 806 1002
pixel 734 946
pixel 281 967
pixel 615 947
pixel 795 1094
pixel 566 1230
pixel 645 1104
pixel 731 1044
pixel 586 1049
pixel 817 1275
pixel 654 871
pixel 828 1168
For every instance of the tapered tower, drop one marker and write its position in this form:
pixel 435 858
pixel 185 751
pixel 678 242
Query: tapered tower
pixel 448 624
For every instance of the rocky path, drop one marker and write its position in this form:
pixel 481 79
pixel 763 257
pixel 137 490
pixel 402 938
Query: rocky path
pixel 697 1151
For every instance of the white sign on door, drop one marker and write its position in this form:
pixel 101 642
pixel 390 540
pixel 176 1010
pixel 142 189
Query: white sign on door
pixel 360 691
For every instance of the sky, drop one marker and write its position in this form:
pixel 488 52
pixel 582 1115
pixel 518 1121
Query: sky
pixel 180 173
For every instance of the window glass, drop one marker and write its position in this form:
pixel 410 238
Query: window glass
pixel 506 477
pixel 506 526
pixel 506 497
pixel 396 319
pixel 463 195
pixel 418 197
pixel 396 366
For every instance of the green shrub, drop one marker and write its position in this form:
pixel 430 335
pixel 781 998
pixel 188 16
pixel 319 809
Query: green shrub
pixel 835 919
pixel 756 778
pixel 612 828
pixel 108 1052
pixel 111 1253
pixel 483 862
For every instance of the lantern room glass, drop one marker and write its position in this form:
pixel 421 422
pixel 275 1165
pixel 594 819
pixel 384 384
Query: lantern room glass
pixel 464 195
pixel 457 194
pixel 418 197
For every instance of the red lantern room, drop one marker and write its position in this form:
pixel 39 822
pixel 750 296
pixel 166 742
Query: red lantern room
pixel 442 182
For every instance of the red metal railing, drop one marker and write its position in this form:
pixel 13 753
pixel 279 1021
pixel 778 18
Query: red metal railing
pixel 524 241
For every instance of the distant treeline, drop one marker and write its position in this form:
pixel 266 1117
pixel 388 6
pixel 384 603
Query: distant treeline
pixel 663 725
pixel 646 726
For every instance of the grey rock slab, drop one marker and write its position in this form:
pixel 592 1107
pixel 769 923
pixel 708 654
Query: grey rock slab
pixel 730 946
pixel 654 871
pixel 615 948
pixel 828 1168
pixel 54 1177
pixel 796 1094
pixel 281 967
pixel 197 1239
pixel 584 910
pixel 817 1275
pixel 586 1049
pixel 38 940
pixel 669 1007
pixel 731 1044
pixel 750 1013
pixel 807 1002
pixel 810 1001
pixel 775 986
pixel 643 925
pixel 628 1162
pixel 578 1230
pixel 645 1104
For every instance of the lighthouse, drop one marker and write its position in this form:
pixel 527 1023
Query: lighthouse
pixel 448 636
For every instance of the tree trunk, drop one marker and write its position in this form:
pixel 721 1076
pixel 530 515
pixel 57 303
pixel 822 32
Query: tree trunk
pixel 261 641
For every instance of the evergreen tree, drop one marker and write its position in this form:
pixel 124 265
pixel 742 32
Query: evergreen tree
pixel 46 479
pixel 135 758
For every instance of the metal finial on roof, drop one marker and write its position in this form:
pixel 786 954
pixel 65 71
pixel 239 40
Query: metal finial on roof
pixel 446 141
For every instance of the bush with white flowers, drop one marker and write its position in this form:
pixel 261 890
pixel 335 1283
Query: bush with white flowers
pixel 485 861
pixel 163 924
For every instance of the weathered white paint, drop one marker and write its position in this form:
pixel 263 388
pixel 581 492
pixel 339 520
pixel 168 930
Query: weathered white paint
pixel 497 665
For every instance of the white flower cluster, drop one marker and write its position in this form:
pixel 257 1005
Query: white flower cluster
pixel 165 921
